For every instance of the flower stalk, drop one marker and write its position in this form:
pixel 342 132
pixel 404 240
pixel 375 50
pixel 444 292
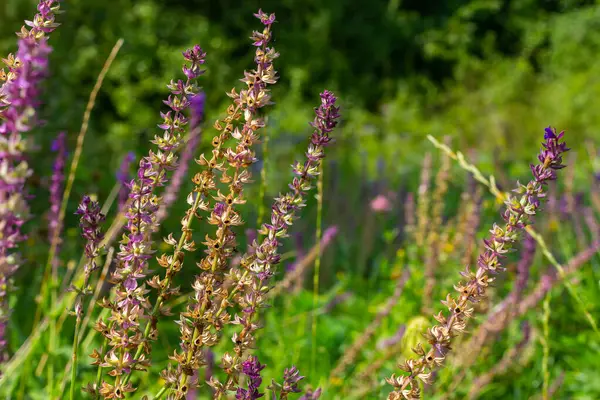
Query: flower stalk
pixel 517 217
pixel 122 331
pixel 90 221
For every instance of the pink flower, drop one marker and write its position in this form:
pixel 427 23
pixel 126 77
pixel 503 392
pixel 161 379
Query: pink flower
pixel 381 203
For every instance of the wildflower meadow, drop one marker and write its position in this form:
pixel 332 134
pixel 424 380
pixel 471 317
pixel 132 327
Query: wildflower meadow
pixel 299 200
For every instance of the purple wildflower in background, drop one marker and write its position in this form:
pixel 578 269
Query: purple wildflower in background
pixel 251 368
pixel 19 97
pixel 59 146
pixel 123 177
pixel 291 377
pixel 91 218
pixel 392 340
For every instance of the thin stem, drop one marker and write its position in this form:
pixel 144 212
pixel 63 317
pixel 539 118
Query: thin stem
pixel 50 281
pixel 88 315
pixel 74 358
pixel 160 393
pixel 263 177
pixel 546 347
pixel 317 269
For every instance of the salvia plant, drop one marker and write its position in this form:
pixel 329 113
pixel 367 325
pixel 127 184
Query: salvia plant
pixel 125 297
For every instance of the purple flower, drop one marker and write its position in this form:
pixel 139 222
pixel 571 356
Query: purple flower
pixel 519 211
pixel 285 206
pixel 311 395
pixel 56 186
pixel 197 104
pixel 90 221
pixel 91 218
pixel 266 19
pixel 123 177
pixel 195 56
pixel 19 98
pixel 251 368
pixel 291 377
pixel 131 305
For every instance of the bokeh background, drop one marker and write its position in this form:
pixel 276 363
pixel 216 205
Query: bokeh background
pixel 488 75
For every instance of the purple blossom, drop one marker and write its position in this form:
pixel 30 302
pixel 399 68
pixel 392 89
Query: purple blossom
pixel 197 104
pixel 311 395
pixel 131 305
pixel 56 184
pixel 291 377
pixel 266 19
pixel 519 211
pixel 91 219
pixel 251 368
pixel 123 177
pixel 19 98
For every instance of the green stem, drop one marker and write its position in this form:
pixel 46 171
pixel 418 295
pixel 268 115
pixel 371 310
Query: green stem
pixel 263 179
pixel 52 341
pixel 546 347
pixel 74 358
pixel 103 353
pixel 160 393
pixel 317 267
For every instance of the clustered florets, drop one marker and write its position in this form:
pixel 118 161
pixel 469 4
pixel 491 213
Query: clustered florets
pixel 257 265
pixel 19 98
pixel 228 166
pixel 91 219
pixel 251 369
pixel 516 217
pixel 130 305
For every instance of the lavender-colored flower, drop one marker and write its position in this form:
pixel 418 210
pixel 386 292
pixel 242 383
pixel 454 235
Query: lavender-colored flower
pixel 251 368
pixel 224 166
pixel 56 186
pixel 517 216
pixel 311 395
pixel 266 19
pixel 91 218
pixel 197 104
pixel 291 377
pixel 285 206
pixel 392 340
pixel 19 97
pixel 123 177
pixel 260 261
pixel 130 305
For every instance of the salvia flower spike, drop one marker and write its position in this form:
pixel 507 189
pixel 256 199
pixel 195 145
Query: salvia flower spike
pixel 519 210
pixel 131 305
pixel 19 99
pixel 258 264
pixel 226 166
pixel 91 219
